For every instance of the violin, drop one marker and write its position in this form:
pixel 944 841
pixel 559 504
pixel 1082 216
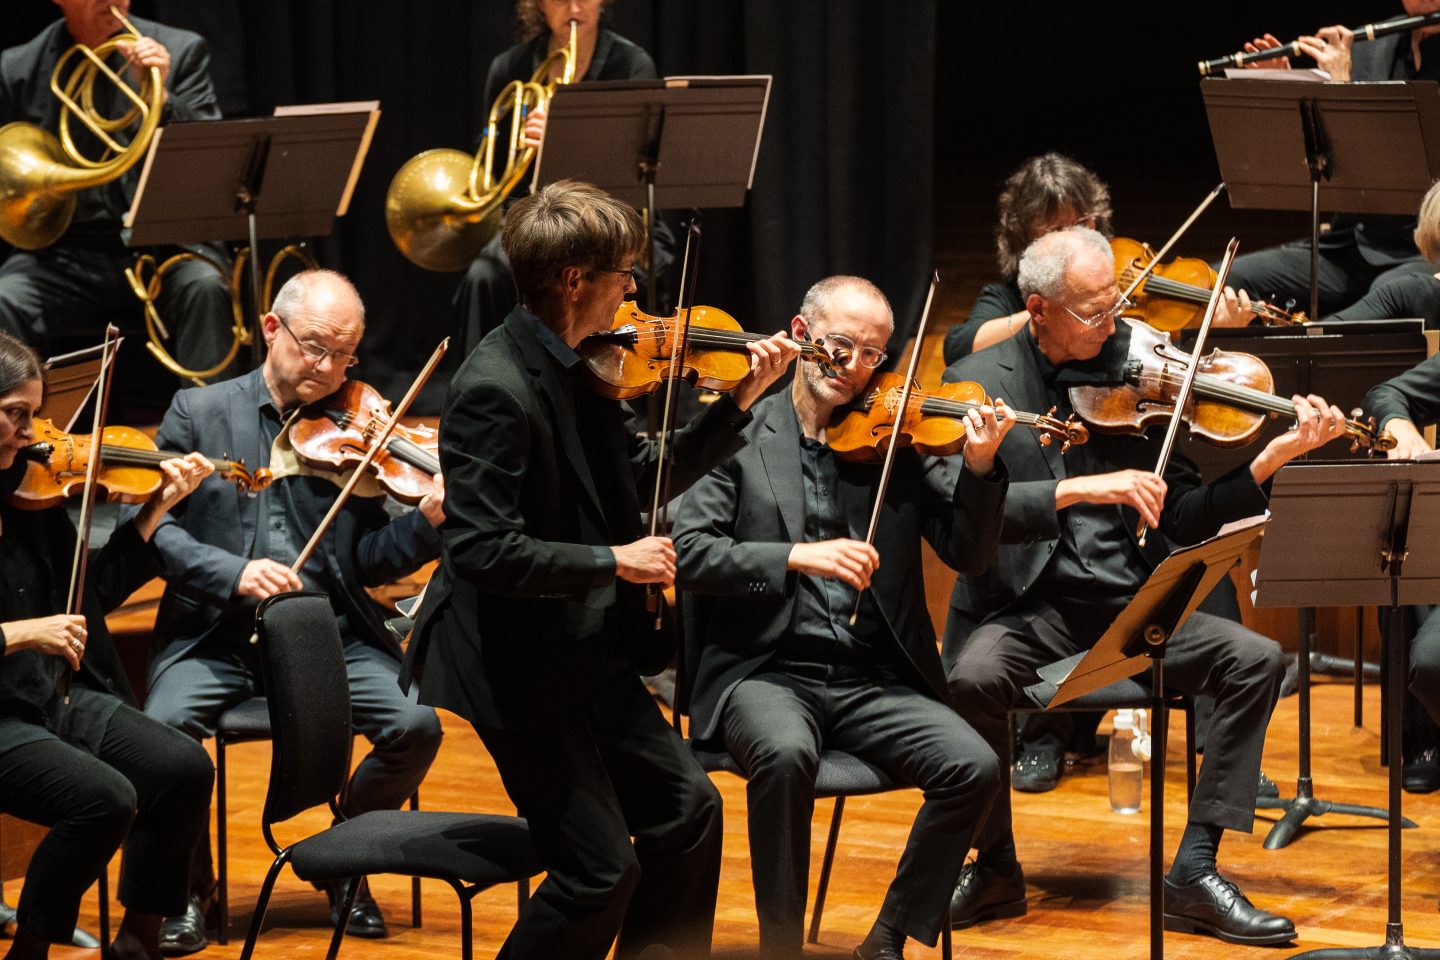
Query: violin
pixel 1234 394
pixel 633 357
pixel 129 467
pixel 335 434
pixel 1176 293
pixel 934 423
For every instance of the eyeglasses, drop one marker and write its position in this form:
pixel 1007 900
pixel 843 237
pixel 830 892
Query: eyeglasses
pixel 631 272
pixel 1112 313
pixel 316 353
pixel 870 357
pixel 1089 220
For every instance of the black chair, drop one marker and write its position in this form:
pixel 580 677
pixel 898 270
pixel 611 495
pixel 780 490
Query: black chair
pixel 303 664
pixel 246 722
pixel 840 775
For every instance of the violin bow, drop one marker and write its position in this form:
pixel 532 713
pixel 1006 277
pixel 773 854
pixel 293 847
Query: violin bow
pixel 905 393
pixel 1182 397
pixel 75 598
pixel 1174 239
pixel 665 455
pixel 376 446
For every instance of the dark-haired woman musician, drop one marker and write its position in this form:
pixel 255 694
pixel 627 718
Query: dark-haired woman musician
pixel 487 293
pixel 91 767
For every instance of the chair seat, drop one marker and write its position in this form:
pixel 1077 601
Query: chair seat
pixel 247 720
pixel 481 849
pixel 840 775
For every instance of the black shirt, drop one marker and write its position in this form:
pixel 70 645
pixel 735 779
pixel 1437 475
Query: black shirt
pixel 27 677
pixel 821 630
pixel 1414 294
pixel 995 300
pixel 1095 568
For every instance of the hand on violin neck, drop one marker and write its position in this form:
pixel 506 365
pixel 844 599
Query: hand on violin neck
pixel 985 427
pixel 768 360
pixel 1316 424
pixel 1143 491
pixel 1409 441
pixel 264 578
pixel 853 561
pixel 1235 309
pixel 651 560
pixel 179 476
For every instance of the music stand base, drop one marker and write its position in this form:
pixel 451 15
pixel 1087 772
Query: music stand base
pixel 1390 951
pixel 1302 807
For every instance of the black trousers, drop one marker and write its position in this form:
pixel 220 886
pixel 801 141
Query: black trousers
pixel 1238 667
pixel 1282 273
pixel 50 296
pixel 775 724
pixel 1424 672
pixel 144 785
pixel 622 772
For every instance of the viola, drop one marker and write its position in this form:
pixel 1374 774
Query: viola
pixel 335 434
pixel 1234 394
pixel 1176 293
pixel 934 424
pixel 634 356
pixel 129 467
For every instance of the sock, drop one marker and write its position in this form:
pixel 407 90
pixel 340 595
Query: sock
pixel 883 935
pixel 1000 856
pixel 1198 846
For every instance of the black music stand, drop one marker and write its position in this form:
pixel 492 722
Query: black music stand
pixel 1376 149
pixel 1309 559
pixel 657 144
pixel 1137 639
pixel 288 175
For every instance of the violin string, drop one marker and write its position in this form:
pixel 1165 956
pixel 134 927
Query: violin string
pixel 1215 388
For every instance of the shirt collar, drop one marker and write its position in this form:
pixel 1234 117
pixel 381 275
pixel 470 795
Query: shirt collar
pixel 562 353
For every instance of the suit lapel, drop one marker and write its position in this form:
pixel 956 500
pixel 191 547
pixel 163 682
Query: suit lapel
pixel 780 453
pixel 248 446
pixel 558 397
pixel 1022 387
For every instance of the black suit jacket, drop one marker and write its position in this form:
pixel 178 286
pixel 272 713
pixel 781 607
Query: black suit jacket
pixel 1414 395
pixel 207 539
pixel 25 95
pixel 1193 510
pixel 525 612
pixel 734 532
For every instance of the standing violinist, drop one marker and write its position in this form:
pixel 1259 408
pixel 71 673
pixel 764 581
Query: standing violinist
pixel 775 535
pixel 224 551
pixel 90 766
pixel 531 626
pixel 1070 561
pixel 1357 253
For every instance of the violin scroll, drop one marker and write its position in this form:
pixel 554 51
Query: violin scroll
pixel 1364 436
pixel 1070 432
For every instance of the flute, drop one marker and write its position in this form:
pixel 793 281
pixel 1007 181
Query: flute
pixel 1369 31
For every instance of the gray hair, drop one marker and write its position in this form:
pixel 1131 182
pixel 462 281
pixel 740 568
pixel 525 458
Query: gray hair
pixel 817 299
pixel 295 295
pixel 1044 262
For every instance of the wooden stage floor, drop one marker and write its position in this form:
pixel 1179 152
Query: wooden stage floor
pixel 1085 866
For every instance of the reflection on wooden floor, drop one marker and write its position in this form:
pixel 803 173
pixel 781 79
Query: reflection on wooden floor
pixel 1085 866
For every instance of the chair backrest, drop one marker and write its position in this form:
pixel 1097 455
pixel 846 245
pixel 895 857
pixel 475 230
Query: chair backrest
pixel 303 663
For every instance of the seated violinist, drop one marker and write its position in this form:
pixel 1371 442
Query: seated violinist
pixel 1070 561
pixel 225 551
pixel 775 535
pixel 90 766
pixel 1045 193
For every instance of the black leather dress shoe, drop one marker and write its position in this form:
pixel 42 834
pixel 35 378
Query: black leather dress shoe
pixel 1216 906
pixel 1267 789
pixel 878 953
pixel 1036 771
pixel 185 934
pixel 1421 773
pixel 366 920
pixel 983 894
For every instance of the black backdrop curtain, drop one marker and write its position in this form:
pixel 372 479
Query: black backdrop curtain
pixel 844 181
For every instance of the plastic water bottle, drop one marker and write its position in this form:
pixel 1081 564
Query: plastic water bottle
pixel 1126 766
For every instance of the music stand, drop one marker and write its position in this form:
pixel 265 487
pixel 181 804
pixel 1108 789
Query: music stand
pixel 1376 148
pixel 1310 560
pixel 657 144
pixel 239 180
pixel 1137 639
